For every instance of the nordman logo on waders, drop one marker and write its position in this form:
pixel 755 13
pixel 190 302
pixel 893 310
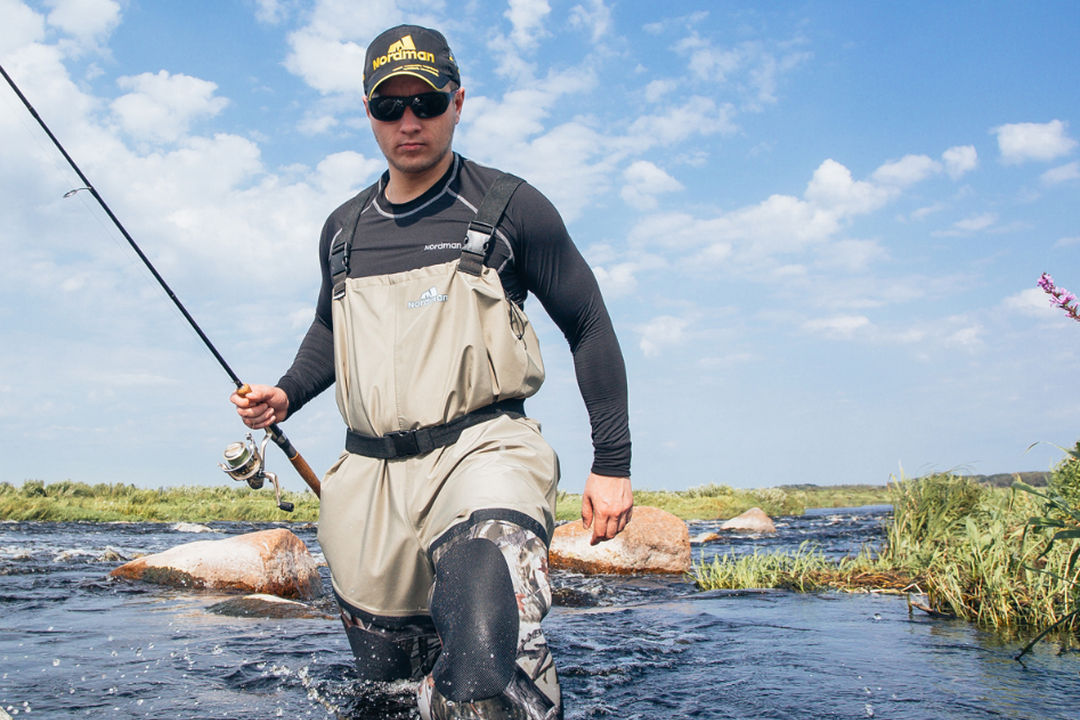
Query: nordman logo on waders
pixel 429 296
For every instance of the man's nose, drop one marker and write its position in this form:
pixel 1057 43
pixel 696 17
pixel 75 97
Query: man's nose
pixel 409 121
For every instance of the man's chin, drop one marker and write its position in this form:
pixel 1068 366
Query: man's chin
pixel 414 163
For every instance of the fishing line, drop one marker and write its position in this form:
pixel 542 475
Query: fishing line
pixel 273 431
pixel 74 193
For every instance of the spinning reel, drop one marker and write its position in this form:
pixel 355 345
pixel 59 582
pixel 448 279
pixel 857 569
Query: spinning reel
pixel 244 462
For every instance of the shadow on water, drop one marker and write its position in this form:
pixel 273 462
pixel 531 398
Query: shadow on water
pixel 74 644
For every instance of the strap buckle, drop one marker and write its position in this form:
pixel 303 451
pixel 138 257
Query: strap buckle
pixel 405 442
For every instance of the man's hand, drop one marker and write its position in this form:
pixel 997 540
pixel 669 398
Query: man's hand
pixel 606 504
pixel 261 406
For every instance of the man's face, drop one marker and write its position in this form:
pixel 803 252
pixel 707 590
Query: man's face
pixel 412 145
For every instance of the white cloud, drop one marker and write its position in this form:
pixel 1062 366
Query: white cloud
pixel 832 188
pixel 326 62
pixel 923 212
pixel 596 18
pixel 617 280
pixel 272 12
pixel 1062 173
pixel 1033 141
pixel 659 88
pixel 162 106
pixel 709 62
pixel 698 116
pixel 960 160
pixel 661 332
pixel 346 173
pixel 968 338
pixel 750 67
pixel 1068 241
pixel 644 181
pixel 88 21
pixel 840 327
pixel 908 170
pixel 779 224
pixel 851 255
pixel 527 19
pixel 976 223
pixel 317 124
pixel 328 52
pixel 1032 302
pixel 21 26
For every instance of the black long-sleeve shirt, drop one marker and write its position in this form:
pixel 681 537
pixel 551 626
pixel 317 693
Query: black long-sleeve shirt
pixel 533 253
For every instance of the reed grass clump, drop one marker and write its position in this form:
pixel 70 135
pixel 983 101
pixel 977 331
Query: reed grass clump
pixel 975 552
pixel 804 570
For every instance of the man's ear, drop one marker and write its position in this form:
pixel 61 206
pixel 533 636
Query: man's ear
pixel 459 102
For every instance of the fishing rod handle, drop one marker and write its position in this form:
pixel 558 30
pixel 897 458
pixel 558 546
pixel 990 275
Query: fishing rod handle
pixel 297 460
pixel 294 456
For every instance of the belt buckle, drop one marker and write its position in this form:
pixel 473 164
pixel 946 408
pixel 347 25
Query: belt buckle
pixel 405 444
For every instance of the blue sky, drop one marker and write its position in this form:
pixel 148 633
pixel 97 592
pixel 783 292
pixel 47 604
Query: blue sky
pixel 818 225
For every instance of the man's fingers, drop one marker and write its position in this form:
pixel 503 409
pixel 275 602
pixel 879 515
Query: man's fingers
pixel 586 512
pixel 607 527
pixel 604 528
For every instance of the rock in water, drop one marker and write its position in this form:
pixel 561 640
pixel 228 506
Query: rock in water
pixel 754 520
pixel 274 562
pixel 266 607
pixel 193 528
pixel 654 541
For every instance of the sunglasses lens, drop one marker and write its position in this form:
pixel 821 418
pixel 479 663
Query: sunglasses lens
pixel 431 104
pixel 387 109
pixel 424 106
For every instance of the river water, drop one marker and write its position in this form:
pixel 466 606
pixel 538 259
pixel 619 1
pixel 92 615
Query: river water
pixel 75 644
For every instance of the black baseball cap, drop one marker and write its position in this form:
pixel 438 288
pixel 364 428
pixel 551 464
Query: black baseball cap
pixel 410 50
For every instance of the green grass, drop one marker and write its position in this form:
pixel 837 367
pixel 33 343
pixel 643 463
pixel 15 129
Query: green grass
pixel 716 502
pixel 74 501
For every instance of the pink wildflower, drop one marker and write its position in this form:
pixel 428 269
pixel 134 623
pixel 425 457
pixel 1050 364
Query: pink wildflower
pixel 1060 296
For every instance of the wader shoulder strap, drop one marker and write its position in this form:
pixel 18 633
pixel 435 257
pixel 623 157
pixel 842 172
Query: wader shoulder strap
pixel 341 245
pixel 482 228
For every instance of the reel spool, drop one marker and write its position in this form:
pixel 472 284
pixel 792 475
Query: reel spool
pixel 244 462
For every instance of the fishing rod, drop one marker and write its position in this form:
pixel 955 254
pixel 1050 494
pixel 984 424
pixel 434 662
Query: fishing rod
pixel 244 461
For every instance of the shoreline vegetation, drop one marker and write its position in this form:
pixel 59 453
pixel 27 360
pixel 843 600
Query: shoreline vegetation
pixel 967 547
pixel 69 501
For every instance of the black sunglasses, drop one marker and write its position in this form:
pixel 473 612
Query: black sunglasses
pixel 389 108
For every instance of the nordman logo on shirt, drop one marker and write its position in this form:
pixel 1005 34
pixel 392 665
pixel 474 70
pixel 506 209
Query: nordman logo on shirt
pixel 429 296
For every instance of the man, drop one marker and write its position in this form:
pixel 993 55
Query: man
pixel 435 521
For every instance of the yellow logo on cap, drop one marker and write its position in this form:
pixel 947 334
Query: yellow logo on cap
pixel 403 49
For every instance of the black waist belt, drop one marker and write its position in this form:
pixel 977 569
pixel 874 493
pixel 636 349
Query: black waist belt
pixel 407 443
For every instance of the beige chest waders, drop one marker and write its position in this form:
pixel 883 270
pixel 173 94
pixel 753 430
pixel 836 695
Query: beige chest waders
pixel 445 495
pixel 432 365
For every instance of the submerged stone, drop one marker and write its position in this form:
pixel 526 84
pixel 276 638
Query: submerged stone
pixel 266 606
pixel 274 562
pixel 654 541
